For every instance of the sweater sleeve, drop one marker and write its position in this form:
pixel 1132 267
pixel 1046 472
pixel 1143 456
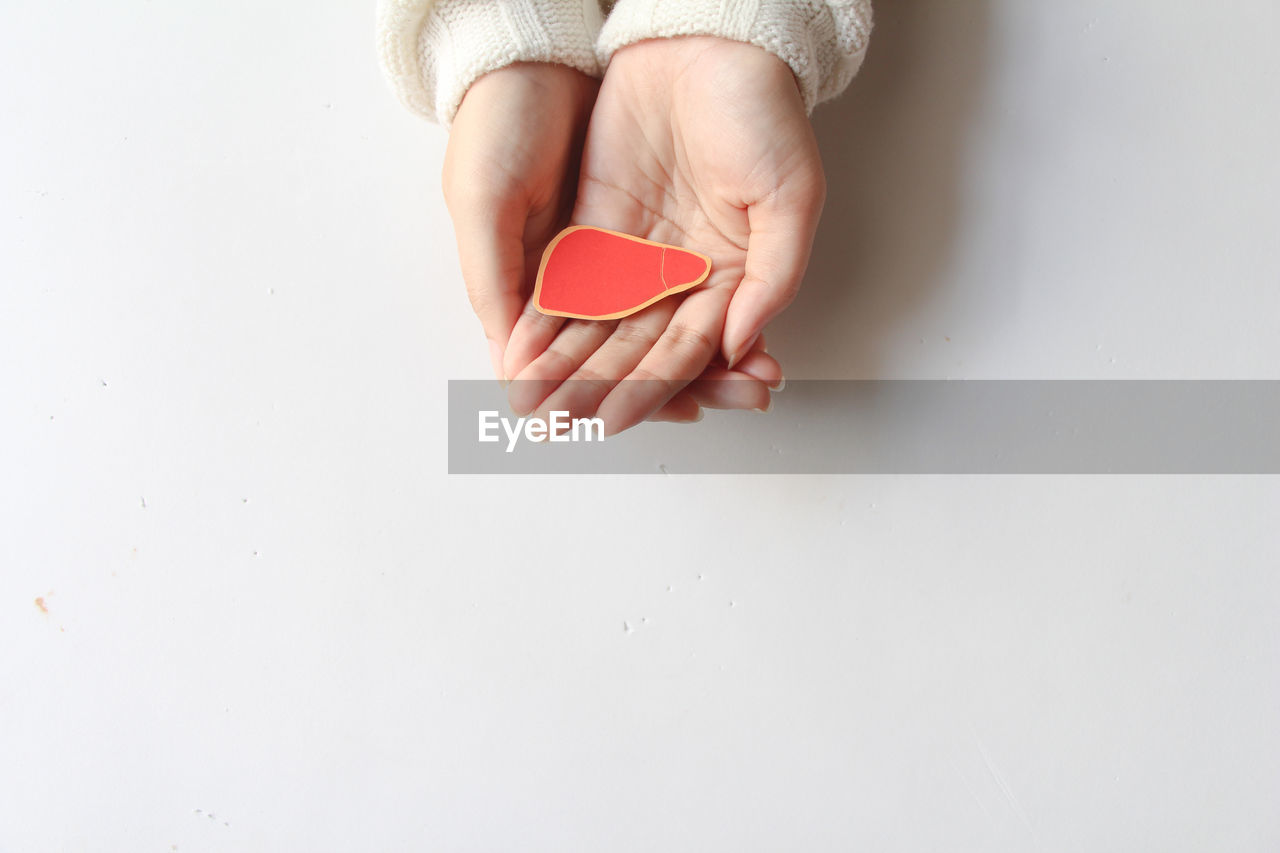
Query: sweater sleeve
pixel 824 41
pixel 431 51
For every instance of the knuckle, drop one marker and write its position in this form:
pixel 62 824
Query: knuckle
pixel 780 293
pixel 633 334
pixel 560 362
pixel 591 378
pixel 648 377
pixel 688 339
pixel 665 386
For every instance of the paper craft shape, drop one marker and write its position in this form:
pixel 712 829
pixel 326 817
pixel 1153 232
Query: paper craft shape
pixel 596 274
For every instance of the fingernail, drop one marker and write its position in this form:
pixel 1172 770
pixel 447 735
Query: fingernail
pixel 746 348
pixel 767 408
pixel 782 383
pixel 702 413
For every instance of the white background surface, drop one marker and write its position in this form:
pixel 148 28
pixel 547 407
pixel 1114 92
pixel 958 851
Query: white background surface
pixel 229 307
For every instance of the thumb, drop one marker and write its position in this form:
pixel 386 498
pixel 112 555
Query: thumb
pixel 781 231
pixel 491 254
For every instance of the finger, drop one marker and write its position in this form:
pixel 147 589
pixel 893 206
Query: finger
pixel 598 374
pixel 493 270
pixel 683 408
pixel 717 388
pixel 489 232
pixel 782 228
pixel 762 366
pixel 533 333
pixel 678 357
pixel 575 343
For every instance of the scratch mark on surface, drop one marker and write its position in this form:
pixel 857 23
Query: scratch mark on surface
pixel 1006 790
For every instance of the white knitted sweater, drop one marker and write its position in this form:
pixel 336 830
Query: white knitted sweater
pixel 433 50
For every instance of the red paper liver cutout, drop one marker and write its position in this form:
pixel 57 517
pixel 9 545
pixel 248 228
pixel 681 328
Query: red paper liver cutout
pixel 595 274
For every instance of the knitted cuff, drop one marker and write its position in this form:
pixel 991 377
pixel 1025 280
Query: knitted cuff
pixel 824 41
pixel 433 50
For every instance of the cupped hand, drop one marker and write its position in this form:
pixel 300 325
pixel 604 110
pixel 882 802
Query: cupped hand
pixel 702 143
pixel 510 176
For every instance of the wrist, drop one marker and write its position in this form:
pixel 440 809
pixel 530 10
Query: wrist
pixel 433 51
pixel 823 46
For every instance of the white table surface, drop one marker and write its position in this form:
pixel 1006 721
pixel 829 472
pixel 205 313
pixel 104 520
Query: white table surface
pixel 243 607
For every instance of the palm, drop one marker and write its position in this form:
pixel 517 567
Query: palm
pixel 647 187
